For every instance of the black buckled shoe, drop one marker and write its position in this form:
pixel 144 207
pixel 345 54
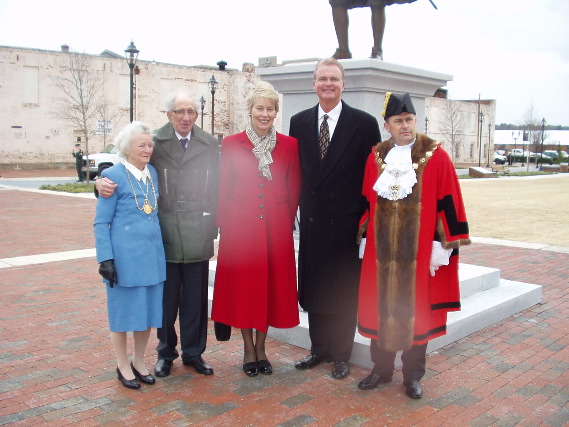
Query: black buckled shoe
pixel 413 389
pixel 308 362
pixel 340 370
pixel 251 368
pixel 265 367
pixel 200 366
pixel 162 368
pixel 146 379
pixel 373 380
pixel 134 384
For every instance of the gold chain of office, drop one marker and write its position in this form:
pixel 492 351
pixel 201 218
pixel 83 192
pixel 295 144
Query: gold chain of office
pixel 147 208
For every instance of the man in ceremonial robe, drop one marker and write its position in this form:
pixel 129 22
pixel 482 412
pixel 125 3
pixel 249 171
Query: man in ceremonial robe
pixel 415 227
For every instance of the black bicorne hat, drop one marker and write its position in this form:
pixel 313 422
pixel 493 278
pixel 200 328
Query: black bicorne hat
pixel 397 104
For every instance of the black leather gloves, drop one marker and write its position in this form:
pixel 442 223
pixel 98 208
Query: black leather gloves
pixel 107 270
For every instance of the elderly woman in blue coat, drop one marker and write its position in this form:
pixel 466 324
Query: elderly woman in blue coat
pixel 131 253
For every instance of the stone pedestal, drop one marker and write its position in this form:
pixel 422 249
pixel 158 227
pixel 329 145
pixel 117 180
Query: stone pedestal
pixel 367 81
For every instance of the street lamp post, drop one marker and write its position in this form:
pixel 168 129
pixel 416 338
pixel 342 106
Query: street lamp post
pixel 488 159
pixel 481 115
pixel 131 54
pixel 426 125
pixel 515 147
pixel 202 103
pixel 212 85
pixel 542 133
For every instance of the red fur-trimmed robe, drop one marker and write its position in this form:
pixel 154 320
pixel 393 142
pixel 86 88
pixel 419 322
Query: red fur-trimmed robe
pixel 400 304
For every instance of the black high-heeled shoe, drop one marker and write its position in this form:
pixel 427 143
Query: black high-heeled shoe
pixel 265 367
pixel 251 368
pixel 134 384
pixel 146 379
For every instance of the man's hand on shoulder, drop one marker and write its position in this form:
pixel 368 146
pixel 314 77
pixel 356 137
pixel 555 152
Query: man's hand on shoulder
pixel 105 187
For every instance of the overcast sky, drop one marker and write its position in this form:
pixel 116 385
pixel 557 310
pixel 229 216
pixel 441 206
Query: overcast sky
pixel 514 51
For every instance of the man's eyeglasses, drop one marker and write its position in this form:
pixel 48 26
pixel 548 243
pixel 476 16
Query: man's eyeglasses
pixel 182 113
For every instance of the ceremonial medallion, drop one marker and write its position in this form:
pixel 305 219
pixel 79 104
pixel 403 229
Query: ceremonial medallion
pixel 147 208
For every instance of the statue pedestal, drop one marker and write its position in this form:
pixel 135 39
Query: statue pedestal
pixel 367 81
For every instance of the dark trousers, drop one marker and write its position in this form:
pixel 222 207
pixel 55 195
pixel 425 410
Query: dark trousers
pixel 332 335
pixel 78 169
pixel 185 294
pixel 413 360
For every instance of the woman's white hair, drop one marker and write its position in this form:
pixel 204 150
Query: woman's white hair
pixel 127 134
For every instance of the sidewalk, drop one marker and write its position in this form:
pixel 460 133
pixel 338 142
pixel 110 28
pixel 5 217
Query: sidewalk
pixel 59 368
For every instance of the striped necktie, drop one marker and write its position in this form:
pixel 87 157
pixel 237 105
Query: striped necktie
pixel 184 142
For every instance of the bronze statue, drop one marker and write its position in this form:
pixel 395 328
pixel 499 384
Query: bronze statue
pixel 341 22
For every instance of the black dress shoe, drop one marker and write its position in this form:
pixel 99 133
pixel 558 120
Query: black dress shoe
pixel 413 389
pixel 162 368
pixel 146 379
pixel 373 380
pixel 265 367
pixel 251 368
pixel 340 370
pixel 308 362
pixel 199 365
pixel 134 384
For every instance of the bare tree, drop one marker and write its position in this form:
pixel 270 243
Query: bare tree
pixel 452 126
pixel 532 125
pixel 107 116
pixel 80 103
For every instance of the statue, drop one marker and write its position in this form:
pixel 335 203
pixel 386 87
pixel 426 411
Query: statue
pixel 341 22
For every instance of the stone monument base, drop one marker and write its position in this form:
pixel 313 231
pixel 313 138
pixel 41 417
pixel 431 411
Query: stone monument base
pixel 485 298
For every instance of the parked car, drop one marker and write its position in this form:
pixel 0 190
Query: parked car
pixel 522 155
pixel 557 155
pixel 500 159
pixel 543 158
pixel 98 162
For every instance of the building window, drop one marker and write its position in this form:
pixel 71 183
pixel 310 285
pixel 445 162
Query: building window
pixel 165 90
pixel 31 85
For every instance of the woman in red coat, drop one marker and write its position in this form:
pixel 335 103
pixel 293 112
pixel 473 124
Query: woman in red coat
pixel 255 281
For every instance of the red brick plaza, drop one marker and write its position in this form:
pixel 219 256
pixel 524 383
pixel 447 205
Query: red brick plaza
pixel 58 366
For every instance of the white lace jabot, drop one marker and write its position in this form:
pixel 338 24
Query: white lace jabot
pixel 398 178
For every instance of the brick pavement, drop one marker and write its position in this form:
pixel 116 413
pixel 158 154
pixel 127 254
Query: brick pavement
pixel 58 366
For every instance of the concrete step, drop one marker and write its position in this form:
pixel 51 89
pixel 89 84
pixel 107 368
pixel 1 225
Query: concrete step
pixel 485 298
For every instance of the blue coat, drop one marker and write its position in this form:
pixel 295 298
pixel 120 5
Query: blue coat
pixel 128 235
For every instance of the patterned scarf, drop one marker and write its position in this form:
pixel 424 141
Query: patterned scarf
pixel 262 148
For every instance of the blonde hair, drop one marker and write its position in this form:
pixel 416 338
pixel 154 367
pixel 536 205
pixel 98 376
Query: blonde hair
pixel 329 61
pixel 263 90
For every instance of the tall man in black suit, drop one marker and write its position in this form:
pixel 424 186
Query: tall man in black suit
pixel 335 141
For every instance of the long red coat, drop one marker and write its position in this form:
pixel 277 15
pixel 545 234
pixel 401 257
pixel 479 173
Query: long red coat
pixel 255 280
pixel 396 287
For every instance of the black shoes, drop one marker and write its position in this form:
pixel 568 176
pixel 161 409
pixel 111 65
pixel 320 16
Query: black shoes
pixel 340 370
pixel 162 368
pixel 146 379
pixel 265 367
pixel 308 362
pixel 251 368
pixel 413 389
pixel 374 380
pixel 134 384
pixel 200 366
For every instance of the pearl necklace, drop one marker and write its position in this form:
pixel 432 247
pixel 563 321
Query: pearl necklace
pixel 146 207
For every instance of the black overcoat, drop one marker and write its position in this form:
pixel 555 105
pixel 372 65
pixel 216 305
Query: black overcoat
pixel 331 205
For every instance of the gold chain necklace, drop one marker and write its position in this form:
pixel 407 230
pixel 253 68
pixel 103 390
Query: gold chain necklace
pixel 146 207
pixel 395 188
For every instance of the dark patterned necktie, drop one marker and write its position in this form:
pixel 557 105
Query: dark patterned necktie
pixel 184 142
pixel 324 138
